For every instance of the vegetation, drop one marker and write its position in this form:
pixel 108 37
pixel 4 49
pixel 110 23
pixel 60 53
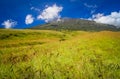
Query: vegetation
pixel 76 24
pixel 45 54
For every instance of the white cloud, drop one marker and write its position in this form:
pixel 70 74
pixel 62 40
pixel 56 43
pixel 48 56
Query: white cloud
pixel 9 23
pixel 97 15
pixel 50 13
pixel 112 19
pixel 90 6
pixel 29 19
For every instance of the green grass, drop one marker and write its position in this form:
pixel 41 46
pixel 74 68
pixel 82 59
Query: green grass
pixel 45 54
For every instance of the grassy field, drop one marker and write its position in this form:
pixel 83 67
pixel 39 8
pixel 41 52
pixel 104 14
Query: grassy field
pixel 45 54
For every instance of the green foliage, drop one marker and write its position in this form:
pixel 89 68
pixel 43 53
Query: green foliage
pixel 44 54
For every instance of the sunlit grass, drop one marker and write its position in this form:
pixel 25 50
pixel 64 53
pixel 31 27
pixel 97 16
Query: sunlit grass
pixel 44 54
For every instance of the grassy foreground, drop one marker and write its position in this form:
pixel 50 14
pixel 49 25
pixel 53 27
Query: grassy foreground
pixel 45 54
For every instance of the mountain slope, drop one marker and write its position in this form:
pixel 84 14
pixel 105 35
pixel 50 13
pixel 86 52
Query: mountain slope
pixel 76 24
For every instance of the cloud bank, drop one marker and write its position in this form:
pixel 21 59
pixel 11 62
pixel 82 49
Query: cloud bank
pixel 112 19
pixel 9 23
pixel 29 19
pixel 50 13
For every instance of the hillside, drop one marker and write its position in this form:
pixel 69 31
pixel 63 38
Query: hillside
pixel 48 54
pixel 76 24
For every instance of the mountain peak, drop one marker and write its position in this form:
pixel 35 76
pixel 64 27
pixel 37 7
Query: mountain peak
pixel 75 24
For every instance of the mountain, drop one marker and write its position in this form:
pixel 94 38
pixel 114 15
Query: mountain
pixel 76 24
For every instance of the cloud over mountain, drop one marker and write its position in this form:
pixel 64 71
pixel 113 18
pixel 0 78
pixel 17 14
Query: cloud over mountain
pixel 9 23
pixel 112 19
pixel 50 13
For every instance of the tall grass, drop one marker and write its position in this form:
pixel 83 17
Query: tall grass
pixel 60 55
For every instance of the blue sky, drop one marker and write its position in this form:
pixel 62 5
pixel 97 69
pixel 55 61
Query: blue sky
pixel 14 13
